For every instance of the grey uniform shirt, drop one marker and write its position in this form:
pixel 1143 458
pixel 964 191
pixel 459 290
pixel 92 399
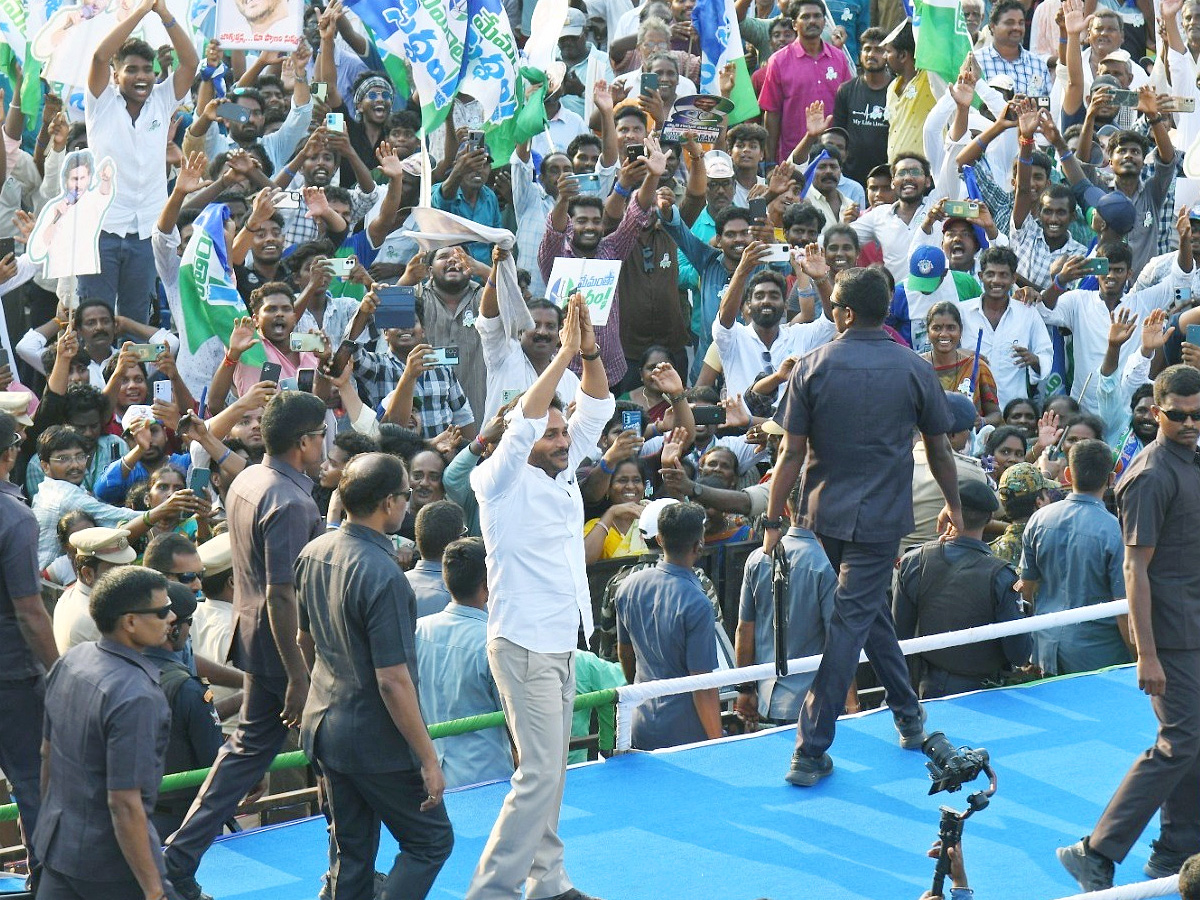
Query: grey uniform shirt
pixel 446 329
pixel 811 587
pixel 664 614
pixel 19 577
pixel 107 723
pixel 271 517
pixel 1159 501
pixel 360 611
pixel 858 399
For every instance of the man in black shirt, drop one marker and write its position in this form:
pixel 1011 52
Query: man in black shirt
pixel 855 494
pixel 859 105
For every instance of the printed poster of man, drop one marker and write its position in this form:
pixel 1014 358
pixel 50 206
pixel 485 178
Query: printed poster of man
pixel 260 24
pixel 66 237
pixel 64 44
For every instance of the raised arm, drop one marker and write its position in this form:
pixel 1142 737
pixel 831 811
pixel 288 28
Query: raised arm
pixel 100 72
pixel 731 301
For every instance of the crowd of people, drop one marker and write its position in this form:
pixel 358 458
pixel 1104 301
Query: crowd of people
pixel 929 342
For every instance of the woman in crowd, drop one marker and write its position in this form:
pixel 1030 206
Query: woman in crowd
pixel 955 366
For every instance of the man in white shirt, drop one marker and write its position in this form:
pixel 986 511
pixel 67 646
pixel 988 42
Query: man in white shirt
pixel 538 594
pixel 893 225
pixel 747 350
pixel 1088 314
pixel 128 118
pixel 1015 343
pixel 513 366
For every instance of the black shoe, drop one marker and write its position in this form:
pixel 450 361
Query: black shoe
pixel 805 771
pixel 572 894
pixel 1163 863
pixel 911 730
pixel 1093 871
pixel 327 891
pixel 186 886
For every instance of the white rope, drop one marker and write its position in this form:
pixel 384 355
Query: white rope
pixel 631 695
pixel 1140 890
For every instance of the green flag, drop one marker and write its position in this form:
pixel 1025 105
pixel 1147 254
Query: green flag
pixel 528 121
pixel 941 35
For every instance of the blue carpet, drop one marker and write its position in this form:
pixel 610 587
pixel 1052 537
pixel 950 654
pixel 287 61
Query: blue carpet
pixel 717 822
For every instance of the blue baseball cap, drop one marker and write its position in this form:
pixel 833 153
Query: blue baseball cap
pixel 926 269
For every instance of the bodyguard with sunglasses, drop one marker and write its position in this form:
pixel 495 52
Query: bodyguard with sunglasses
pixel 106 729
pixel 1159 503
pixel 271 517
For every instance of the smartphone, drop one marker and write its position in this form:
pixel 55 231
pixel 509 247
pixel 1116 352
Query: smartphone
pixel 1180 104
pixel 270 372
pixel 649 82
pixel 148 352
pixel 340 266
pixel 163 392
pixel 319 90
pixel 397 307
pixel 305 379
pixel 1124 98
pixel 475 140
pixel 287 384
pixel 708 415
pixel 632 154
pixel 7 246
pixel 1097 265
pixel 335 122
pixel 507 397
pixel 1193 335
pixel 233 112
pixel 588 184
pixel 631 420
pixel 198 481
pixel 287 200
pixel 758 210
pixel 780 253
pixel 442 356
pixel 305 343
pixel 961 209
pixel 1181 297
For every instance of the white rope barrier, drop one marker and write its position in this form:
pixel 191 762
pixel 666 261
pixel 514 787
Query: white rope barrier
pixel 631 695
pixel 1141 890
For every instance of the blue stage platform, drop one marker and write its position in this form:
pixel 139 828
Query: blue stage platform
pixel 717 821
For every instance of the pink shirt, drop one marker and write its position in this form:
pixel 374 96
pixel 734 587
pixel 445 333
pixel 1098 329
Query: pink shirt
pixel 245 377
pixel 793 80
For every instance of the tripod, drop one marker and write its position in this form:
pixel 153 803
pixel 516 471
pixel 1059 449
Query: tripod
pixel 950 830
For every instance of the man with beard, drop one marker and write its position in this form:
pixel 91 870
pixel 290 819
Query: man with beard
pixel 764 343
pixel 465 193
pixel 893 225
pixel 575 229
pixel 533 201
pixel 859 108
pixel 128 118
pixel 277 145
pixel 1015 341
pixel 316 162
pixel 448 309
pixel 274 321
pixel 960 240
pixel 513 366
pixel 367 127
pixel 264 227
pixel 148 439
pixel 1141 431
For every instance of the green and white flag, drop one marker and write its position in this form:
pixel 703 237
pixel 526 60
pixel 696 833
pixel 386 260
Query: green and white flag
pixel 15 26
pixel 941 35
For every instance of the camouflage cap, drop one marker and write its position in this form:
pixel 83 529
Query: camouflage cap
pixel 1022 479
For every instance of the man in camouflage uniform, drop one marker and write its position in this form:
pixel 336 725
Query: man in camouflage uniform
pixel 1023 490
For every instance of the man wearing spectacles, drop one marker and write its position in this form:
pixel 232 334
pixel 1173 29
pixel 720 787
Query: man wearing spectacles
pixel 1158 499
pixel 107 726
pixel 271 517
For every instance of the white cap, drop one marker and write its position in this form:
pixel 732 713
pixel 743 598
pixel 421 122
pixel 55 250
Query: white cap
pixel 718 164
pixel 648 521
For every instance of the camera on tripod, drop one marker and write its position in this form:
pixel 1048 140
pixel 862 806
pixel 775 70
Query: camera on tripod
pixel 950 769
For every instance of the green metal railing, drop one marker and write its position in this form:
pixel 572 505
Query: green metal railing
pixel 296 758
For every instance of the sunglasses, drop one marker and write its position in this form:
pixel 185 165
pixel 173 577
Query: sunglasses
pixel 186 577
pixel 160 611
pixel 1180 415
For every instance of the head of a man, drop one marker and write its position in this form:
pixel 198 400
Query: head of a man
pixel 960 244
pixel 681 531
pixel 293 424
pixel 346 446
pixel 438 524
pixel 1090 467
pixel 464 571
pixel 133 71
pixel 554 166
pixel 1177 405
pixel 1127 153
pixel 586 214
pixel 551 451
pixel 542 340
pixel 1008 24
pixel 1141 404
pixel 94 319
pixel 130 605
pixel 860 300
pixel 373 94
pixel 64 454
pixel 252 101
pixel 872 57
pixel 1105 33
pixel 900 52
pixel 808 19
pixel 747 146
pixel 781 33
pixel 274 307
pixel 584 151
pixel 829 172
pixel 733 232
pixel 632 127
pixel 911 179
pixel 880 190
pixel 997 272
pixel 374 491
pixel 425 472
pixel 766 299
pixel 176 557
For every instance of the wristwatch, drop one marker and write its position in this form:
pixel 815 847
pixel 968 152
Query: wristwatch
pixel 675 398
pixel 772 524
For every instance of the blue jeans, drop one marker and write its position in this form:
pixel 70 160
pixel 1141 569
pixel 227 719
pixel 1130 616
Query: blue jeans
pixel 126 278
